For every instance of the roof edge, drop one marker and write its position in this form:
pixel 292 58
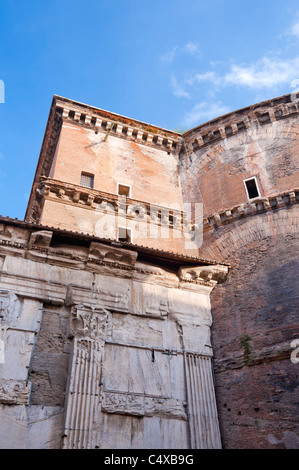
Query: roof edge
pixel 270 102
pixel 153 252
pixel 116 115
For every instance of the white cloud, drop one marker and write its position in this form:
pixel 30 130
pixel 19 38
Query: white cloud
pixel 204 77
pixel 169 56
pixel 189 48
pixel 203 112
pixel 178 89
pixel 295 29
pixel 265 73
pixel 192 48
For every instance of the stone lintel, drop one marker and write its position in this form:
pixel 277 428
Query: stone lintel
pixel 112 254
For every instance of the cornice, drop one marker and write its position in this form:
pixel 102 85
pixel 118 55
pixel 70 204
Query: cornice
pixel 44 233
pixel 80 196
pixel 259 205
pixel 116 125
pixel 104 258
pixel 238 121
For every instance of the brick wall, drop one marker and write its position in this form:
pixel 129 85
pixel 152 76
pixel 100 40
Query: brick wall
pixel 255 312
pixel 214 174
pixel 113 160
pixel 255 319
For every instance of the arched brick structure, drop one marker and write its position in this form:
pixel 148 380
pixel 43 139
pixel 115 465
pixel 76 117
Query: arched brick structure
pixel 260 141
pixel 255 316
pixel 255 312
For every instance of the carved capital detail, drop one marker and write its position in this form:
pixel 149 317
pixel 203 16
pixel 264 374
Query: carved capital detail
pixel 90 326
pixel 209 275
pixel 90 322
pixel 40 239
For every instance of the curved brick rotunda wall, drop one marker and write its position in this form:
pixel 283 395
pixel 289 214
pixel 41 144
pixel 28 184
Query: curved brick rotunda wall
pixel 244 168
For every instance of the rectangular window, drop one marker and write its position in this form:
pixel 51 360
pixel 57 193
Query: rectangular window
pixel 87 180
pixel 124 234
pixel 252 189
pixel 123 190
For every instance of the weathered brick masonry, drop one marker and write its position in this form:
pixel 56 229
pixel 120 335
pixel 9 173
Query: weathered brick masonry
pixel 255 313
pixel 109 338
pixel 114 151
pixel 255 318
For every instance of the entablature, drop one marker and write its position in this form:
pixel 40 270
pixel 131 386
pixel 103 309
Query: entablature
pixel 230 124
pixel 76 195
pixel 119 126
pixel 257 206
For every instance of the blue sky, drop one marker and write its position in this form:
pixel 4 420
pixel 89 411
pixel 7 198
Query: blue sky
pixel 175 64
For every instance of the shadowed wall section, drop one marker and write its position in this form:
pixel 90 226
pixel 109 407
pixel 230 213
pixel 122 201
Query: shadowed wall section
pixel 255 312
